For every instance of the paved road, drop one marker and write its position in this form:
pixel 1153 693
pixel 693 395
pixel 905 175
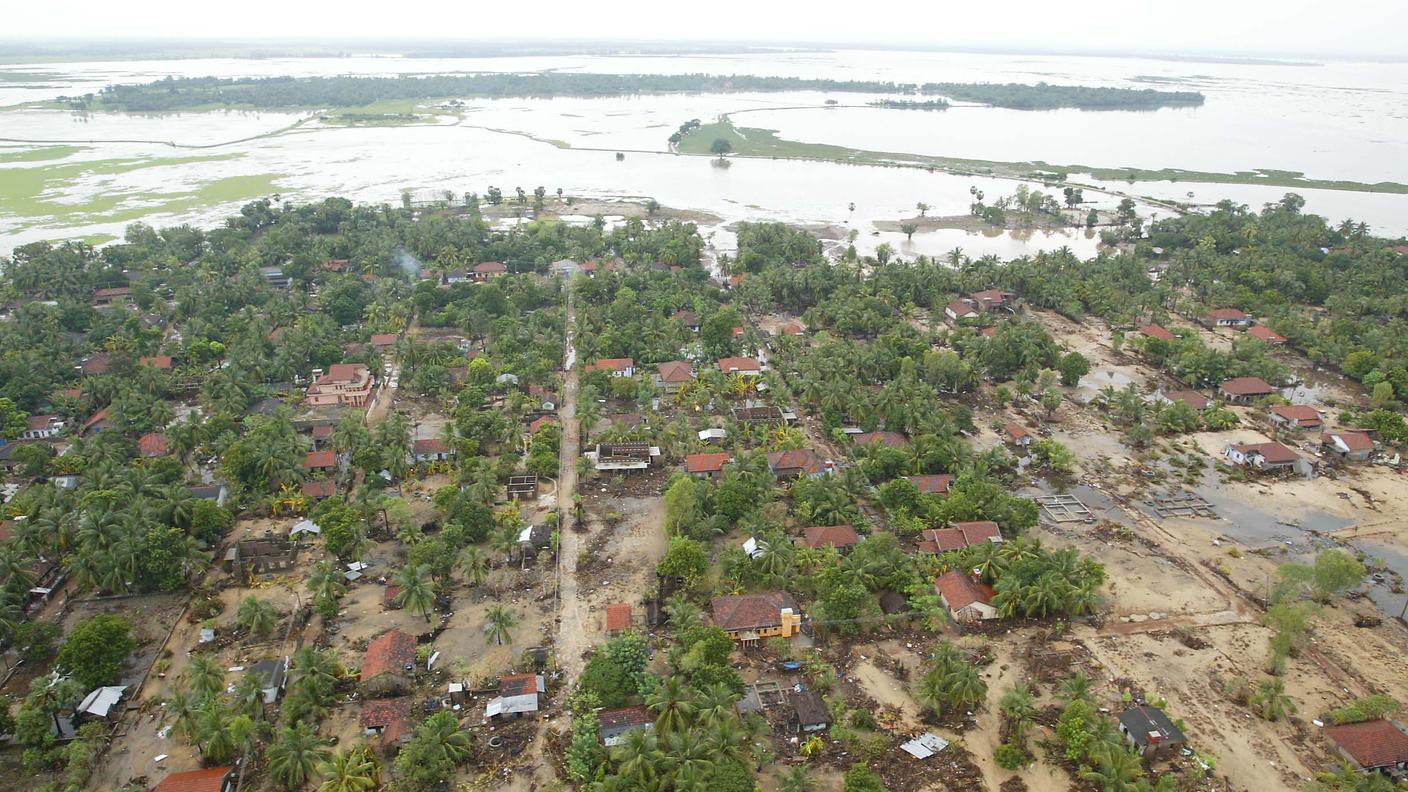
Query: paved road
pixel 572 616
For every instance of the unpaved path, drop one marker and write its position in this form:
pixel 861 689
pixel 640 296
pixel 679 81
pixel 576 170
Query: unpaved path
pixel 571 624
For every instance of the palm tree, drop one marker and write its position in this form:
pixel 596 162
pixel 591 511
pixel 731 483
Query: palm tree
pixel 1271 698
pixel 249 696
pixel 796 779
pixel 1016 704
pixel 672 704
pixel 352 770
pixel 182 708
pixel 206 676
pixel 325 581
pixel 715 705
pixel 257 616
pixel 1075 687
pixel 217 742
pixel 417 592
pixel 1120 771
pixel 444 732
pixel 965 687
pixel 476 565
pixel 295 755
pixel 637 757
pixel 498 621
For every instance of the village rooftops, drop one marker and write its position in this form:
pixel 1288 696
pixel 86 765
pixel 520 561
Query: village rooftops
pixel 621 366
pixel 1301 415
pixel 152 445
pixel 959 591
pixel 794 462
pixel 158 362
pixel 838 536
pixel 384 340
pixel 1351 441
pixel 1156 331
pixel 1246 386
pixel 991 298
pixel 432 445
pixel 1191 398
pixel 933 484
pixel 707 463
pixel 212 780
pixel 320 460
pixel 1274 453
pixel 1227 315
pixel 1266 334
pixel 961 309
pixel 388 653
pixel 961 535
pixel 751 611
pixel 891 439
pixel 676 372
pixel 490 268
pixel 1373 744
pixel 740 365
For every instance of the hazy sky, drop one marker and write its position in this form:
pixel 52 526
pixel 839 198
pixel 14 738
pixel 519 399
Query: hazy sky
pixel 1251 27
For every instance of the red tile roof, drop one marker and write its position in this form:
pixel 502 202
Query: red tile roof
pixel 98 417
pixel 730 365
pixel 673 371
pixel 94 365
pixel 610 364
pixel 152 444
pixel 1246 386
pixel 212 780
pixel 992 297
pixel 431 445
pixel 1375 743
pixel 518 684
pixel 162 362
pixel 819 536
pixel 38 422
pixel 962 308
pixel 320 488
pixel 1354 441
pixel 796 459
pixel 539 422
pixel 490 267
pixel 618 617
pixel 384 339
pixel 936 484
pixel 1300 414
pixel 1191 398
pixel 320 460
pixel 964 534
pixel 1155 331
pixel 388 653
pixel 1016 431
pixel 625 716
pixel 793 329
pixel 1266 334
pixel 960 591
pixel 1272 452
pixel 1227 313
pixel 891 439
pixel 112 291
pixel 751 611
pixel 322 431
pixel 380 713
pixel 706 463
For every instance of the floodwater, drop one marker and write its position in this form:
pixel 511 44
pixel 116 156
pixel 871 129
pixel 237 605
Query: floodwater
pixel 1330 120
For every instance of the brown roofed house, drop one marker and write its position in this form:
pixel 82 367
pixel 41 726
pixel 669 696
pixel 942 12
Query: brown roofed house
pixel 320 461
pixel 489 270
pixel 617 723
pixel 158 362
pixel 431 449
pixel 1355 446
pixel 707 465
pixel 795 463
pixel 344 384
pixel 389 662
pixel 152 445
pixel 94 365
pixel 1269 456
pixel 1228 317
pixel 616 367
pixel 215 779
pixel 746 366
pixel 934 484
pixel 966 599
pixel 1296 416
pixel 841 537
pixel 1375 745
pixel 1157 331
pixel 749 618
pixel 383 341
pixel 1266 334
pixel 1017 434
pixel 1193 399
pixel 319 489
pixel 673 375
pixel 959 536
pixel 389 718
pixel 618 618
pixel 1244 389
pixel 891 439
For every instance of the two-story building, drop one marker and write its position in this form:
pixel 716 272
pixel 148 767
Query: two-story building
pixel 750 618
pixel 344 385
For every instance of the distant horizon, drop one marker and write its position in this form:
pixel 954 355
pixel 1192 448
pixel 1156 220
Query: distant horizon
pixel 59 47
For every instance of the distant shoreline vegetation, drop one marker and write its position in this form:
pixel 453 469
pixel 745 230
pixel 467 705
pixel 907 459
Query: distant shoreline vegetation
pixel 269 93
pixel 911 104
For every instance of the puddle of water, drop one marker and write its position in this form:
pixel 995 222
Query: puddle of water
pixel 1395 559
pixel 1091 384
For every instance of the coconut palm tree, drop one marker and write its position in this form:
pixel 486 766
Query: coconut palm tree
pixel 476 565
pixel 1271 699
pixel 672 704
pixel 257 616
pixel 498 621
pixel 217 742
pixel 417 591
pixel 681 612
pixel 1075 687
pixel 715 705
pixel 965 687
pixel 444 732
pixel 206 676
pixel 638 757
pixel 295 755
pixel 1017 705
pixel 352 770
pixel 795 779
pixel 1120 771
pixel 325 581
pixel 249 696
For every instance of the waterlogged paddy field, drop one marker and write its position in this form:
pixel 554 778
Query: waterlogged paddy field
pixel 63 175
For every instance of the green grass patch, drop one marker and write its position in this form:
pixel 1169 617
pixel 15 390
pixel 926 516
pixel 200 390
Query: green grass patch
pixel 754 142
pixel 39 154
pixel 38 192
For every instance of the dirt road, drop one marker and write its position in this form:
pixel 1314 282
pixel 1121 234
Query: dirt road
pixel 571 624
